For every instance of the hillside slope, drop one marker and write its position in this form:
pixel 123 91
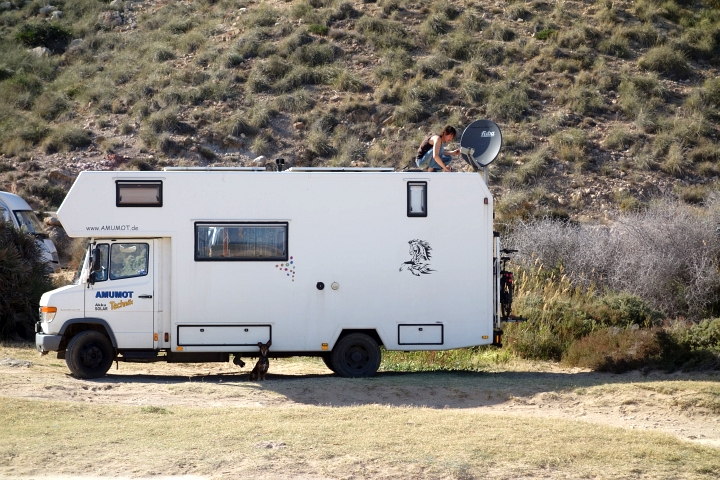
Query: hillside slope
pixel 603 105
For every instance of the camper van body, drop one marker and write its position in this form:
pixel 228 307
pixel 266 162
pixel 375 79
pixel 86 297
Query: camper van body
pixel 15 210
pixel 198 266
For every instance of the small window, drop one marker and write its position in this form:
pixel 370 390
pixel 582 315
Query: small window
pixel 241 241
pixel 128 260
pixel 417 199
pixel 102 274
pixel 138 194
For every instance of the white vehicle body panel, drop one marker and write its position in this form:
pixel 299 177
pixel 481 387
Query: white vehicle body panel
pixel 350 231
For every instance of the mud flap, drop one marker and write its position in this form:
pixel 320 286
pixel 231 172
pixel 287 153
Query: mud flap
pixel 497 337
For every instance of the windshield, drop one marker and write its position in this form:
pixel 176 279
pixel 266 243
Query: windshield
pixel 28 222
pixel 78 274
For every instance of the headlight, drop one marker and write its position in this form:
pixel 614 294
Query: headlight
pixel 47 314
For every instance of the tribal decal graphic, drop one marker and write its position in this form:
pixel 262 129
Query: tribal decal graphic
pixel 419 256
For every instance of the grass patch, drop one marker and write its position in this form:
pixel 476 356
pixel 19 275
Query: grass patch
pixel 665 60
pixel 307 436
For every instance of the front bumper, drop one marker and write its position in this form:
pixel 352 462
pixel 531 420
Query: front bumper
pixel 47 343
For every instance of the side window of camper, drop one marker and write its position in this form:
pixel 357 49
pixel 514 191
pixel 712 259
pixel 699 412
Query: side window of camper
pixel 138 194
pixel 417 199
pixel 128 260
pixel 102 274
pixel 241 241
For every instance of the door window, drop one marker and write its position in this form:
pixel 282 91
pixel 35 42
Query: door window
pixel 128 260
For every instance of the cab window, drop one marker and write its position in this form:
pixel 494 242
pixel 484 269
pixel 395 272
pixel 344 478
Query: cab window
pixel 128 260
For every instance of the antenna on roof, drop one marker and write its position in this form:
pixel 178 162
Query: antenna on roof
pixel 480 144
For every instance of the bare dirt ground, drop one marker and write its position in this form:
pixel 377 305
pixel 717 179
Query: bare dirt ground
pixel 686 405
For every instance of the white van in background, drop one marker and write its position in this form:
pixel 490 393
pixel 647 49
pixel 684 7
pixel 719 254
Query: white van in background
pixel 15 210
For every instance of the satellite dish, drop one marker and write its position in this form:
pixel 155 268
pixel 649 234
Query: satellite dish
pixel 480 143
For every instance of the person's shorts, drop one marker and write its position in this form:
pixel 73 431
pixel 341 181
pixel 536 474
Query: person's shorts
pixel 428 161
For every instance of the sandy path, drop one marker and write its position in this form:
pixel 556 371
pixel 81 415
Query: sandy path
pixel 684 405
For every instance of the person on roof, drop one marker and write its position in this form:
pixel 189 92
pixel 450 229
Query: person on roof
pixel 431 155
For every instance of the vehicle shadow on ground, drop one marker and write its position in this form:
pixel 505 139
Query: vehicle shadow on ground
pixel 441 389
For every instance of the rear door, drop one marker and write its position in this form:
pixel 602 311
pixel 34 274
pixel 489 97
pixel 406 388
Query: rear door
pixel 123 293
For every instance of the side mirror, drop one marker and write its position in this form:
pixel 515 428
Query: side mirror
pixel 95 260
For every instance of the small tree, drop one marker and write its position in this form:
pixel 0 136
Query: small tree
pixel 23 279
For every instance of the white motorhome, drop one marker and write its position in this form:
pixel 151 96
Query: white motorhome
pixel 15 210
pixel 196 266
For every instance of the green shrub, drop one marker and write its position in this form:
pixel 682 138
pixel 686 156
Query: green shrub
pixel 546 33
pixel 411 111
pixel 614 350
pixel 49 35
pixel 472 20
pixel 665 60
pixel 508 101
pixel 318 29
pixel 52 194
pixel 458 45
pixel 262 15
pixel 619 139
pixel 347 81
pixel 50 104
pixel 497 31
pixel 315 54
pixel 581 99
pixel 616 45
pixel 67 138
pixel 297 102
pixel 435 25
pixel 23 279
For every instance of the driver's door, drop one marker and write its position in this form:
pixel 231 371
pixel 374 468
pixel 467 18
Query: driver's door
pixel 122 293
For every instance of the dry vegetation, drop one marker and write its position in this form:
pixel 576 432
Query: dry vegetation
pixel 512 418
pixel 603 104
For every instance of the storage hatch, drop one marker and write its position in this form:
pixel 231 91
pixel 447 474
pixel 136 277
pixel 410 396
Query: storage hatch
pixel 223 335
pixel 420 334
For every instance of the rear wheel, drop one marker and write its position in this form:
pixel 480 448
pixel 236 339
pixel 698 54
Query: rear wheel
pixel 355 355
pixel 89 354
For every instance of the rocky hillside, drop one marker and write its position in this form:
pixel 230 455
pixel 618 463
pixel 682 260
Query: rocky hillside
pixel 603 105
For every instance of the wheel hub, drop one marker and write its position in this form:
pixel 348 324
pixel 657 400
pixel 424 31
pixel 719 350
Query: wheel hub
pixel 92 356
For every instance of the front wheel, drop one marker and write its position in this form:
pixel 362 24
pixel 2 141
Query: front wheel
pixel 355 355
pixel 89 354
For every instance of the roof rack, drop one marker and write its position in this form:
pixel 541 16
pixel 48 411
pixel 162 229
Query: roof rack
pixel 338 169
pixel 214 169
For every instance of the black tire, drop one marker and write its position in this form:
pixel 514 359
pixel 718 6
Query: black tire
pixel 89 354
pixel 328 361
pixel 355 355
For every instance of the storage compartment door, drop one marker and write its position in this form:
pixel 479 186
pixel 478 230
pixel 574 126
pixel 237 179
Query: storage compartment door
pixel 420 334
pixel 223 335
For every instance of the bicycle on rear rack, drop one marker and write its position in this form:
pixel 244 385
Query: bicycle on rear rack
pixel 507 288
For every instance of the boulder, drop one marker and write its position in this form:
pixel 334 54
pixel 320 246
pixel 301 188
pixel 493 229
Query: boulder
pixel 53 221
pixel 46 10
pixel 110 19
pixel 6 6
pixel 56 15
pixel 41 52
pixel 61 176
